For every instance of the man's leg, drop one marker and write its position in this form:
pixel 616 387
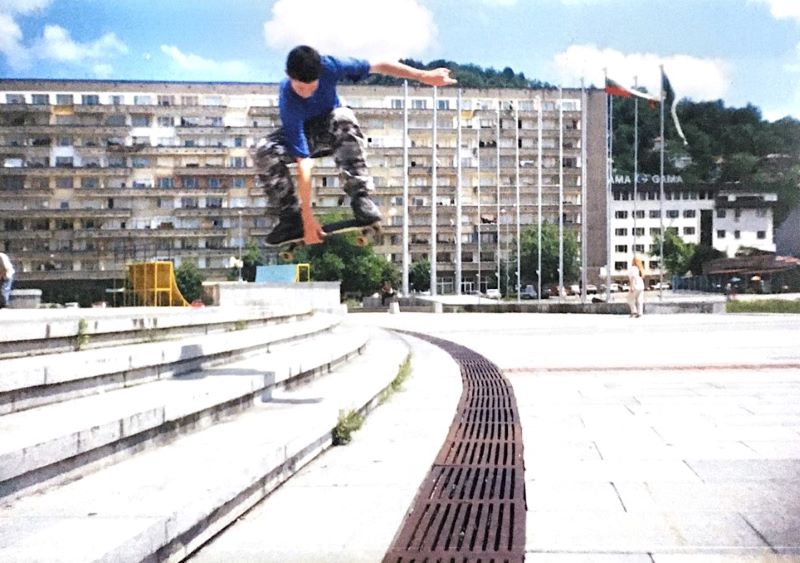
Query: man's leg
pixel 349 153
pixel 271 160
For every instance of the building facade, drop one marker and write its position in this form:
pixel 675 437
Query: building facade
pixel 97 174
pixel 723 216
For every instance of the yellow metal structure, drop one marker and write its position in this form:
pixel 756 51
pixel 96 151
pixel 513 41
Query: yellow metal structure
pixel 303 269
pixel 154 284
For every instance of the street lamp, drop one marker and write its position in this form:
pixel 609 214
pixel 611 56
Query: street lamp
pixel 240 246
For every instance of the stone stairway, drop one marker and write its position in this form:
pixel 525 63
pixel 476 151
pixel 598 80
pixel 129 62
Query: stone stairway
pixel 143 448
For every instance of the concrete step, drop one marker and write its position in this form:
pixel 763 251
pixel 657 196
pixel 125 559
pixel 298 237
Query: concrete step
pixel 39 380
pixel 95 430
pixel 161 504
pixel 46 331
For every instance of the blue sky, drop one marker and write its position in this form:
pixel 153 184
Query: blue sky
pixel 740 51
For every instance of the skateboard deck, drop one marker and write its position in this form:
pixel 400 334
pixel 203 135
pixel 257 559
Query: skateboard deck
pixel 336 228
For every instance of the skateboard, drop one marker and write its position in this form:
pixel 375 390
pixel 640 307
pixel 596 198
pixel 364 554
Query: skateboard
pixel 336 228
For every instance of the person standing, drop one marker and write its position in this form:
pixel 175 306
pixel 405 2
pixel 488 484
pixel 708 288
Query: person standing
pixel 636 283
pixel 314 123
pixel 6 279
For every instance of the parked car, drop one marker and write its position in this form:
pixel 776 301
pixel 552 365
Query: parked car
pixel 493 294
pixel 591 289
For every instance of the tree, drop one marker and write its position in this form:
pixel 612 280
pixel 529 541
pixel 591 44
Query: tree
pixel 251 259
pixel 189 280
pixel 359 269
pixel 530 254
pixel 419 275
pixel 677 253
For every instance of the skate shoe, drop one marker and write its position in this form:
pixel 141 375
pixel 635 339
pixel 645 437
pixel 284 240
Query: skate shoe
pixel 364 210
pixel 290 227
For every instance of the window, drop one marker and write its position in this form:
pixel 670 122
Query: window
pixel 397 103
pixel 720 213
pixel 655 213
pixel 238 162
pixel 165 121
pixel 140 162
pixel 673 213
pixel 621 232
pixel 189 203
pixel 63 162
pixel 419 104
pixel 40 99
pixel 189 182
pixel 64 99
pixel 761 235
pixel 638 248
pixel 653 264
pixel 737 234
pixel 443 104
pixel 621 248
pixel 639 214
pixel 238 142
pixel 90 100
pixel 638 232
pixel 621 215
pixel 15 99
pixel 165 183
pixel 117 100
pixel 140 121
pixel 213 100
pixel 620 266
pixel 214 183
pixel 239 182
pixel 214 203
pixel 189 100
pixel 166 100
pixel 65 141
pixel 142 100
pixel 688 230
pixel 655 231
pixel 689 213
pixel 89 183
pixel 64 183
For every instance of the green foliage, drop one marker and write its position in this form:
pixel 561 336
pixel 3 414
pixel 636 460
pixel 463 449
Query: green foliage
pixel 359 269
pixel 677 253
pixel 530 254
pixel 349 422
pixel 397 383
pixel 468 76
pixel 763 306
pixel 419 275
pixel 82 336
pixel 189 280
pixel 725 145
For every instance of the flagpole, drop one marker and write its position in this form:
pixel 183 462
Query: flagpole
pixel 584 226
pixel 539 199
pixel 661 192
pixel 519 254
pixel 458 200
pixel 635 159
pixel 497 144
pixel 560 193
pixel 434 197
pixel 609 172
pixel 480 220
pixel 406 257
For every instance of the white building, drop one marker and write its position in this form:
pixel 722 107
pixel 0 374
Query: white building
pixel 726 217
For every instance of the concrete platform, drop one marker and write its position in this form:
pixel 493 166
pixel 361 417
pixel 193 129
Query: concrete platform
pixel 662 439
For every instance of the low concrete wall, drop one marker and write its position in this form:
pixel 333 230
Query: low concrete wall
pixel 25 299
pixel 318 296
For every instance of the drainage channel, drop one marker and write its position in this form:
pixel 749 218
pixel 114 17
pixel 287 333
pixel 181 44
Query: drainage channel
pixel 471 506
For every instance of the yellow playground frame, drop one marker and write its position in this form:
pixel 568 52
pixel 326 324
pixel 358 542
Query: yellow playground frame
pixel 153 284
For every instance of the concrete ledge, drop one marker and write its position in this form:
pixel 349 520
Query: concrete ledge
pixel 166 407
pixel 78 374
pixel 25 299
pixel 318 296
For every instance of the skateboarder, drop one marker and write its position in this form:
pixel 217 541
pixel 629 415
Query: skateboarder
pixel 314 123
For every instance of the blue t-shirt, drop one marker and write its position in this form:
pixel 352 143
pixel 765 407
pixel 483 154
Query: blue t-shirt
pixel 295 111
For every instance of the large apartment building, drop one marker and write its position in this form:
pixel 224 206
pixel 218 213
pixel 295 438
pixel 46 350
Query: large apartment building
pixel 100 173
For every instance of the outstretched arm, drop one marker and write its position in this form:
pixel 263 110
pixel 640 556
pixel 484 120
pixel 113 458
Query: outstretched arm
pixel 312 230
pixel 433 77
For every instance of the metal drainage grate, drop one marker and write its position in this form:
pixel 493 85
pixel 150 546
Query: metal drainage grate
pixel 471 506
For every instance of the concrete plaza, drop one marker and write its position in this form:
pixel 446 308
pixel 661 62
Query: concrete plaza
pixel 669 438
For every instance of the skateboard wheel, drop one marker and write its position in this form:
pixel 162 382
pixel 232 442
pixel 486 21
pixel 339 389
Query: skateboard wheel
pixel 287 256
pixel 362 240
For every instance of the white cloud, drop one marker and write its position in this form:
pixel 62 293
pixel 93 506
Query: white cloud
pixel 195 63
pixel 691 77
pixel 372 29
pixel 56 44
pixel 23 6
pixel 102 70
pixel 781 9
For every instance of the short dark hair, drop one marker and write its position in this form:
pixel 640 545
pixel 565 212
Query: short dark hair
pixel 303 64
